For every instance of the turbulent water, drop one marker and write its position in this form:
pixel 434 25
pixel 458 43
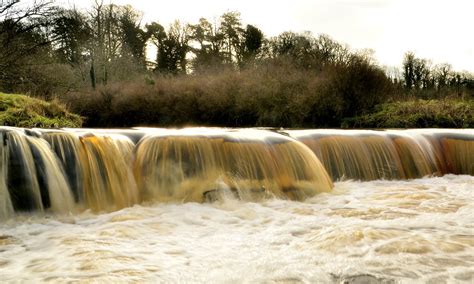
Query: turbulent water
pixel 419 230
pixel 236 205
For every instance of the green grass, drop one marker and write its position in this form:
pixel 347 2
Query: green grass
pixel 446 113
pixel 23 111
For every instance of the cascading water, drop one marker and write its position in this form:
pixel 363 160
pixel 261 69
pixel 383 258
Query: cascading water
pixel 395 212
pixel 391 154
pixel 54 188
pixel 177 165
pixel 106 170
pixel 21 178
pixel 61 170
pixel 6 207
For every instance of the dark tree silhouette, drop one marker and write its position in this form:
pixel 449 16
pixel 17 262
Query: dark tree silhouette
pixel 253 40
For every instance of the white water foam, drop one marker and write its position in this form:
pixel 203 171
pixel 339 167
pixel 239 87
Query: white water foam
pixel 402 231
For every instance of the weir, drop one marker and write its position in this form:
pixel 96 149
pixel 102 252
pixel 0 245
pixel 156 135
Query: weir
pixel 75 169
pixel 391 154
pixel 67 170
pixel 185 165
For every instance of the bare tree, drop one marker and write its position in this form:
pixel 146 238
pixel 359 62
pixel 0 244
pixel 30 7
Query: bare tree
pixel 23 39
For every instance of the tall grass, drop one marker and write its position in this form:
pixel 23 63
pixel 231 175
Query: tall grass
pixel 418 113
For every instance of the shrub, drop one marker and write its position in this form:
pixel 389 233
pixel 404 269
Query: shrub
pixel 273 94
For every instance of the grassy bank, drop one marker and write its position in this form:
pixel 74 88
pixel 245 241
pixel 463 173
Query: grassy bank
pixel 446 113
pixel 23 111
pixel 172 103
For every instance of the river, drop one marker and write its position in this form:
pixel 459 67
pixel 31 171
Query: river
pixel 231 206
pixel 403 231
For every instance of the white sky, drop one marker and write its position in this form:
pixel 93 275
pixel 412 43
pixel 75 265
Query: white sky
pixel 441 30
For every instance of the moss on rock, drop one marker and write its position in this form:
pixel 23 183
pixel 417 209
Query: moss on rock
pixel 23 111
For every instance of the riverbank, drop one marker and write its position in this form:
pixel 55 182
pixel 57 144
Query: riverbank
pixel 24 111
pixel 238 105
pixel 445 113
pixel 107 109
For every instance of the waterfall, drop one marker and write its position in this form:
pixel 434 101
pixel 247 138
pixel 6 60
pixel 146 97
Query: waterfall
pixel 187 165
pixel 66 170
pixel 391 154
pixel 6 206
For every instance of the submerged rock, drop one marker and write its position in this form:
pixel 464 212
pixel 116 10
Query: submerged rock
pixel 362 279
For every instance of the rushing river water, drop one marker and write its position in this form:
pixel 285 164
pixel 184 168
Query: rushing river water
pixel 216 205
pixel 381 231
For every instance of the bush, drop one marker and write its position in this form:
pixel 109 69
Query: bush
pixel 274 94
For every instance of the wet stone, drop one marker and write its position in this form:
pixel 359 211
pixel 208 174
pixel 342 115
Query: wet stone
pixel 362 279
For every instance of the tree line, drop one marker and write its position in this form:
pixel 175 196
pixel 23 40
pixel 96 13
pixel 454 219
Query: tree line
pixel 108 42
pixel 420 74
pixel 80 56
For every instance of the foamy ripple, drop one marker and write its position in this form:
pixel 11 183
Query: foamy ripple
pixel 403 231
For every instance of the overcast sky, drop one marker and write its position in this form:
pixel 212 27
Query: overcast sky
pixel 441 30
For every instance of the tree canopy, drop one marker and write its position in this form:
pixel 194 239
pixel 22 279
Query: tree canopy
pixel 48 50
